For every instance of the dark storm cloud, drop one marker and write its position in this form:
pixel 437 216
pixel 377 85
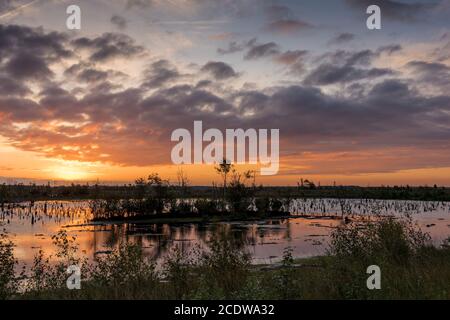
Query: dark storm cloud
pixel 119 21
pixel 219 70
pixel 397 10
pixel 109 46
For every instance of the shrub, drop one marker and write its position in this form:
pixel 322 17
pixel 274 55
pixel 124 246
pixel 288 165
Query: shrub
pixel 8 283
pixel 224 267
pixel 390 239
pixel 123 267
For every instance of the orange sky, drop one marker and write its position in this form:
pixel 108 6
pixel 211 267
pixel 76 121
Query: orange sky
pixel 21 164
pixel 353 106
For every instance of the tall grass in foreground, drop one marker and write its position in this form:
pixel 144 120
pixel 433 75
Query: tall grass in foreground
pixel 411 269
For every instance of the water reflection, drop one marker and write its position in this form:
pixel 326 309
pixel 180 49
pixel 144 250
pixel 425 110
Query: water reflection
pixel 31 226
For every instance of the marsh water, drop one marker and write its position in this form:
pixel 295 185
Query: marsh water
pixel 31 227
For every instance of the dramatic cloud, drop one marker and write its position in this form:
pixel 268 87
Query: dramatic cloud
pixel 346 66
pixel 66 95
pixel 109 46
pixel 391 115
pixel 86 72
pixel 9 86
pixel 255 50
pixel 220 70
pixel 27 53
pixel 160 73
pixel 26 65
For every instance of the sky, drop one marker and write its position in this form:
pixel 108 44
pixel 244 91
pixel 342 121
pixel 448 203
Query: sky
pixel 354 106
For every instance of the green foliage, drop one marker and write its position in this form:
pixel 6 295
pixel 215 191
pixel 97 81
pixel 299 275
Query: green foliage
pixel 392 240
pixel 411 269
pixel 124 266
pixel 224 267
pixel 46 275
pixel 8 283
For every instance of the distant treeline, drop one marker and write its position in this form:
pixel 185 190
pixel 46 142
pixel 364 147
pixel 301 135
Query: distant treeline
pixel 20 192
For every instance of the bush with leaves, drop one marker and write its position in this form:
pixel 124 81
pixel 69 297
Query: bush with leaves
pixel 125 266
pixel 224 267
pixel 8 283
pixel 396 245
pixel 50 272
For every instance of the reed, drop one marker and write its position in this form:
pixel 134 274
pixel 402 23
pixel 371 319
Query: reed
pixel 411 269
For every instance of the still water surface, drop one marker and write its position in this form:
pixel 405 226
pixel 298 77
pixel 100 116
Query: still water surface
pixel 31 226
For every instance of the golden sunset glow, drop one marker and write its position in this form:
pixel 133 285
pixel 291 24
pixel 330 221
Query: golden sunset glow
pixel 70 173
pixel 101 103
